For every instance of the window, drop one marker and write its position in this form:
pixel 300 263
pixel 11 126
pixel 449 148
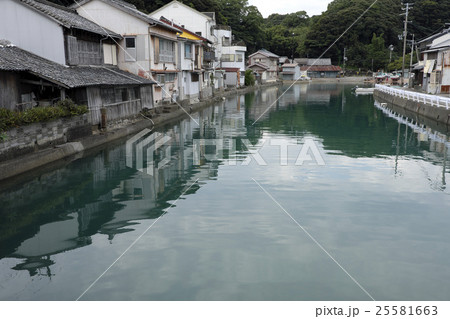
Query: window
pixel 130 49
pixel 239 58
pixel 198 33
pixel 226 41
pixel 227 58
pixel 194 77
pixel 170 77
pixel 166 51
pixel 160 78
pixel 188 51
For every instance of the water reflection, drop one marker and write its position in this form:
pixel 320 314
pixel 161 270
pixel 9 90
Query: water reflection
pixel 108 195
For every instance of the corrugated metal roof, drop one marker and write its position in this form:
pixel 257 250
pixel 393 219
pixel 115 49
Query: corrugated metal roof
pixel 321 68
pixel 325 61
pixel 15 59
pixel 67 17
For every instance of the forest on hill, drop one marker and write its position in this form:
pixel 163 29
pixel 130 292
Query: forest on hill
pixel 299 35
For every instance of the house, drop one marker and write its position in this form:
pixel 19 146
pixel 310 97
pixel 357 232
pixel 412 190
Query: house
pixel 264 63
pixel 192 75
pixel 56 33
pixel 148 47
pixel 291 72
pixel 220 69
pixel 231 57
pixel 283 59
pixel 200 23
pixel 319 68
pixel 29 80
pixel 434 69
pixel 81 63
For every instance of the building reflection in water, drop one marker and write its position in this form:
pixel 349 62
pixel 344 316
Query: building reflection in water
pixel 104 194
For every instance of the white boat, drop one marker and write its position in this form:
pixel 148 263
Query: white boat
pixel 364 91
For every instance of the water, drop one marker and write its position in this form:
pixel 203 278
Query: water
pixel 210 231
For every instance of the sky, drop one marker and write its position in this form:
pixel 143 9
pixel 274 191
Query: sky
pixel 312 7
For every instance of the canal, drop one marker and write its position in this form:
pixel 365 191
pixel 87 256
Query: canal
pixel 325 196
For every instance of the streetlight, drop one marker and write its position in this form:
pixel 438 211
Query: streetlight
pixel 391 48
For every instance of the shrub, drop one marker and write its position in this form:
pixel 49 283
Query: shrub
pixel 249 78
pixel 66 108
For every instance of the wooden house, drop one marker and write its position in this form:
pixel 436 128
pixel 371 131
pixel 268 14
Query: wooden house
pixel 57 53
pixel 28 80
pixel 264 63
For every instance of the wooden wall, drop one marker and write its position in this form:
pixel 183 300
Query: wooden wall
pixel 9 90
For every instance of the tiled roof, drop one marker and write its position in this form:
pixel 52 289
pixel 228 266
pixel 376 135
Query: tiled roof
pixel 266 53
pixel 130 9
pixel 290 65
pixel 260 65
pixel 321 68
pixel 15 59
pixel 69 18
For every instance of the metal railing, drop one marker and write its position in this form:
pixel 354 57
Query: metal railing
pixel 433 100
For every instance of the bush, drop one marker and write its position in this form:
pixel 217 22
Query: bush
pixel 66 108
pixel 249 78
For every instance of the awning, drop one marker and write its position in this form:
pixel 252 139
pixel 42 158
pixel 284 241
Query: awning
pixel 419 66
pixel 429 66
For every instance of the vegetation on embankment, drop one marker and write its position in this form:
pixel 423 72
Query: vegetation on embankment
pixel 66 108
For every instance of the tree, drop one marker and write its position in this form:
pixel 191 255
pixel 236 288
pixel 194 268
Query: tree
pixel 381 18
pixel 428 17
pixel 249 78
pixel 377 53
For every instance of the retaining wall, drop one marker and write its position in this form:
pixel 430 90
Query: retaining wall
pixel 37 136
pixel 435 113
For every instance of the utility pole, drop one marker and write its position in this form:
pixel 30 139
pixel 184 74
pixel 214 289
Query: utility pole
pixel 411 61
pixel 405 35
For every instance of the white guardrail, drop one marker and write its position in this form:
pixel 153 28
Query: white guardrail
pixel 432 100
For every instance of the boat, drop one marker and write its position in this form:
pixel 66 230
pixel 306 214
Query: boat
pixel 364 91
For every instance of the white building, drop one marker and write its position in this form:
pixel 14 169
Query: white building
pixel 232 57
pixel 291 72
pixel 200 23
pixel 148 48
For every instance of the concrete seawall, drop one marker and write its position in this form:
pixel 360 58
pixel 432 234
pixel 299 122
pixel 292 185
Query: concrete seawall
pixel 436 114
pixel 30 161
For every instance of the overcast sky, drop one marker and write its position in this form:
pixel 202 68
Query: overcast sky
pixel 312 7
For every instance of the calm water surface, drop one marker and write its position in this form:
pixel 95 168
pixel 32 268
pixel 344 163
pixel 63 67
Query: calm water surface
pixel 379 205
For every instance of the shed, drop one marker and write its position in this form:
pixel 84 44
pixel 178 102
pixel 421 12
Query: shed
pixel 321 71
pixel 28 80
